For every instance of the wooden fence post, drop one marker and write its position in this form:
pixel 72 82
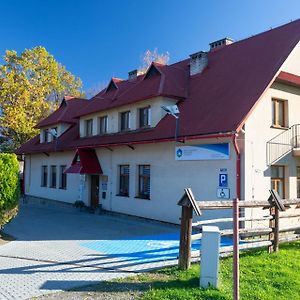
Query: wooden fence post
pixel 276 230
pixel 184 261
pixel 272 226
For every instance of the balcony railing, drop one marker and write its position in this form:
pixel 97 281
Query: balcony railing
pixel 283 143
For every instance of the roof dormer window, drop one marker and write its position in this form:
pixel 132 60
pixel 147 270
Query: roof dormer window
pixel 152 71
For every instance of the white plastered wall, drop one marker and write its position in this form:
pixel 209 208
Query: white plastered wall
pixel 258 132
pixel 157 113
pixel 33 164
pixel 168 179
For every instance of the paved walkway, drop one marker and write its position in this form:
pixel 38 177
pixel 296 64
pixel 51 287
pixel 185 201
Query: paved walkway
pixel 58 249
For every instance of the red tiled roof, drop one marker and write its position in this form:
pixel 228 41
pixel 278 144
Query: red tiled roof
pixel 288 78
pixel 216 101
pixel 65 113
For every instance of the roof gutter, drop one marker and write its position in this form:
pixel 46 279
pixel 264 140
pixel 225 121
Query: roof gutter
pixel 186 138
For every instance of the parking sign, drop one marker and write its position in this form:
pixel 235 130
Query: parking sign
pixel 223 180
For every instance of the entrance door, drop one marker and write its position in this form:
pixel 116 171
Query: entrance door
pixel 94 191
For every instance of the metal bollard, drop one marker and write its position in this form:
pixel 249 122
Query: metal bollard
pixel 210 248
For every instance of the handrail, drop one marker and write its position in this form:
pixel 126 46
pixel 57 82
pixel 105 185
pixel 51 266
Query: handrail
pixel 283 143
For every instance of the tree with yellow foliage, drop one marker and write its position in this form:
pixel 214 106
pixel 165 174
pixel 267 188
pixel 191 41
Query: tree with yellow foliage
pixel 31 87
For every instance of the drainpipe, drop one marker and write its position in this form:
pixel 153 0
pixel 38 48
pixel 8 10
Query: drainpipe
pixel 236 280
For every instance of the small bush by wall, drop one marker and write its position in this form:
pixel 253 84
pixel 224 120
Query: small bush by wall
pixel 9 187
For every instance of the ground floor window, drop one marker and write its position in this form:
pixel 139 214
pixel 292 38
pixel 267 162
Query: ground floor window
pixel 53 177
pixel 278 180
pixel 144 182
pixel 63 178
pixel 44 176
pixel 124 180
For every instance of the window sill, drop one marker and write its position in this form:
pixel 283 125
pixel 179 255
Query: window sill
pixel 52 187
pixel 43 186
pixel 122 195
pixel 142 197
pixel 62 188
pixel 279 127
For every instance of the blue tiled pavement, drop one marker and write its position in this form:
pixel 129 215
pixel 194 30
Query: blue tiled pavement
pixel 144 249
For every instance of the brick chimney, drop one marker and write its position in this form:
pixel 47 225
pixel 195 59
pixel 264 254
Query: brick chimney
pixel 220 43
pixel 198 62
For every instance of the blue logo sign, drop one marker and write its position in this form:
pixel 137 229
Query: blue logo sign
pixel 223 180
pixel 179 153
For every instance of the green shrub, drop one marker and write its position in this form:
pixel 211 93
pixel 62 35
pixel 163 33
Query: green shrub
pixel 9 187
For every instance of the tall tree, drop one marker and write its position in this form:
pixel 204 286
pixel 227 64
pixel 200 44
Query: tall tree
pixel 153 56
pixel 31 86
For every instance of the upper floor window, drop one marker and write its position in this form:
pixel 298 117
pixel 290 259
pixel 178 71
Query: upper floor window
pixel 53 177
pixel 279 110
pixel 125 120
pixel 45 136
pixel 44 176
pixel 124 180
pixel 103 125
pixel 278 180
pixel 54 133
pixel 144 117
pixel 89 127
pixel 62 178
pixel 144 182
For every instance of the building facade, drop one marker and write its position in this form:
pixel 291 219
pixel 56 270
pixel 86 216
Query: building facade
pixel 129 150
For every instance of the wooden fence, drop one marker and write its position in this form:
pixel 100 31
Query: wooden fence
pixel 266 236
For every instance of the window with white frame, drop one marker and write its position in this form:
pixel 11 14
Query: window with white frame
pixel 62 177
pixel 53 176
pixel 89 127
pixel 125 121
pixel 279 113
pixel 102 125
pixel 44 176
pixel 144 117
pixel 124 180
pixel 278 180
pixel 144 181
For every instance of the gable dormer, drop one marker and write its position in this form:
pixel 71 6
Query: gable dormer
pixel 112 86
pixel 152 71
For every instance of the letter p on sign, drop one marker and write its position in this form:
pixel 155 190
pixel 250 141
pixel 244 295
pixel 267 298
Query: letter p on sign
pixel 223 180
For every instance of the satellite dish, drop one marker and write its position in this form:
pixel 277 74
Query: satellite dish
pixel 171 110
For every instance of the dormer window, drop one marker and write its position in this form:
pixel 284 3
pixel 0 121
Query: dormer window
pixel 54 133
pixel 89 127
pixel 45 136
pixel 144 117
pixel 125 120
pixel 152 71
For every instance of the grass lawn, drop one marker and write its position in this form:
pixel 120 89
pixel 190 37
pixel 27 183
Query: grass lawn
pixel 262 276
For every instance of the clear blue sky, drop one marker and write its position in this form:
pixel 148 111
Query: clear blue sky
pixel 97 39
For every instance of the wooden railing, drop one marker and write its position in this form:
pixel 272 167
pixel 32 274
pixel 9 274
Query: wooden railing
pixel 265 236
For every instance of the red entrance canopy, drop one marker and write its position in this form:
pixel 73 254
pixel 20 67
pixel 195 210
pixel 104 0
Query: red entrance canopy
pixel 85 161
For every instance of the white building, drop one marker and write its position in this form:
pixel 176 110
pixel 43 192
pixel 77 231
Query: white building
pixel 239 107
